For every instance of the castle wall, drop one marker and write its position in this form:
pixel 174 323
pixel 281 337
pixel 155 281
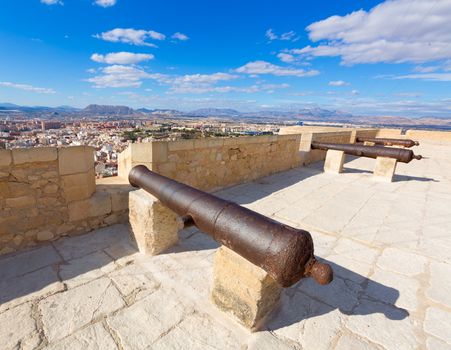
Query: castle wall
pixel 49 192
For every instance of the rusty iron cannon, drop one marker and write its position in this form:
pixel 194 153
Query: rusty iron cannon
pixel 389 142
pixel 400 154
pixel 284 252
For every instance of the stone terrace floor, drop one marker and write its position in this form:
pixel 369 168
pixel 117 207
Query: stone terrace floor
pixel 389 245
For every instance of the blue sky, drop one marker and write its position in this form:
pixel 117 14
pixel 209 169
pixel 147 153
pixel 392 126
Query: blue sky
pixel 364 57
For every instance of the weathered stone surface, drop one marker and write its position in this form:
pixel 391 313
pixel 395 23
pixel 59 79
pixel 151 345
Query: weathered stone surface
pixel 154 226
pixel 18 329
pixel 78 186
pixel 76 247
pixel 85 269
pixel 94 337
pixel 99 204
pixel 384 325
pixel 119 200
pixel 5 157
pixel 79 210
pixel 195 332
pixel 27 261
pixel 401 293
pixel 141 324
pixel 242 289
pixel 435 344
pixel 438 323
pixel 400 261
pixel 33 155
pixel 348 342
pixel 334 161
pixel 44 235
pixel 34 285
pixel 20 202
pixel 265 341
pixel 75 159
pixel 440 283
pixel 134 282
pixel 66 312
pixel 384 169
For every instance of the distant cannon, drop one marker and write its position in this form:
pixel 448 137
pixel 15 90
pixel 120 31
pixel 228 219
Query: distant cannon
pixel 400 154
pixel 389 142
pixel 284 252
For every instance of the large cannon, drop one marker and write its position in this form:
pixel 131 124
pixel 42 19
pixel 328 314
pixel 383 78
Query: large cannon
pixel 400 154
pixel 284 252
pixel 389 142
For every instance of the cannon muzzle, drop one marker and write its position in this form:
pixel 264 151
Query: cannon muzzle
pixel 400 154
pixel 389 142
pixel 284 252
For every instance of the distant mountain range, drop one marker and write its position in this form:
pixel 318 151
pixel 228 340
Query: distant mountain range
pixel 306 114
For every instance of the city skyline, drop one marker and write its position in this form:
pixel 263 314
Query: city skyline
pixel 361 57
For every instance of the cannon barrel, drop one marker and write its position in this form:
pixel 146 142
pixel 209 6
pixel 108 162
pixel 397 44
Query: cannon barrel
pixel 400 154
pixel 284 252
pixel 389 142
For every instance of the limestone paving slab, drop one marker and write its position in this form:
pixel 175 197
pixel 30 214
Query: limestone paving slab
pixel 29 287
pixel 146 321
pixel 30 260
pixel 18 328
pixel 85 269
pixel 93 337
pixel 66 312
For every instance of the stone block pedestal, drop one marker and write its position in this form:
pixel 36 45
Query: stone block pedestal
pixel 154 226
pixel 384 169
pixel 243 290
pixel 334 161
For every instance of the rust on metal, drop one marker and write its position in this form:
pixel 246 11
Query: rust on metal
pixel 400 154
pixel 389 142
pixel 284 252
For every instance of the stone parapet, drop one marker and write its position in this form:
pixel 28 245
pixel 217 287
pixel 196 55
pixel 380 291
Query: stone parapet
pixel 214 163
pixel 49 192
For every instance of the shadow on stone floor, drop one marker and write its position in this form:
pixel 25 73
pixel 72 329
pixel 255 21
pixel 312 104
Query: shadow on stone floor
pixel 350 293
pixel 396 178
pixel 257 189
pixel 40 271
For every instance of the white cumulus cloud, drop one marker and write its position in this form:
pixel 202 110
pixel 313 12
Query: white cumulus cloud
pixel 180 36
pixel 338 83
pixel 52 2
pixel 105 3
pixel 131 36
pixel 286 57
pixel 395 31
pixel 263 67
pixel 117 76
pixel 27 87
pixel 121 58
pixel 288 36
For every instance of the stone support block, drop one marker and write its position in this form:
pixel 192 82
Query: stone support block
pixel 384 169
pixel 334 161
pixel 75 159
pixel 242 289
pixel 154 226
pixel 5 157
pixel 32 155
